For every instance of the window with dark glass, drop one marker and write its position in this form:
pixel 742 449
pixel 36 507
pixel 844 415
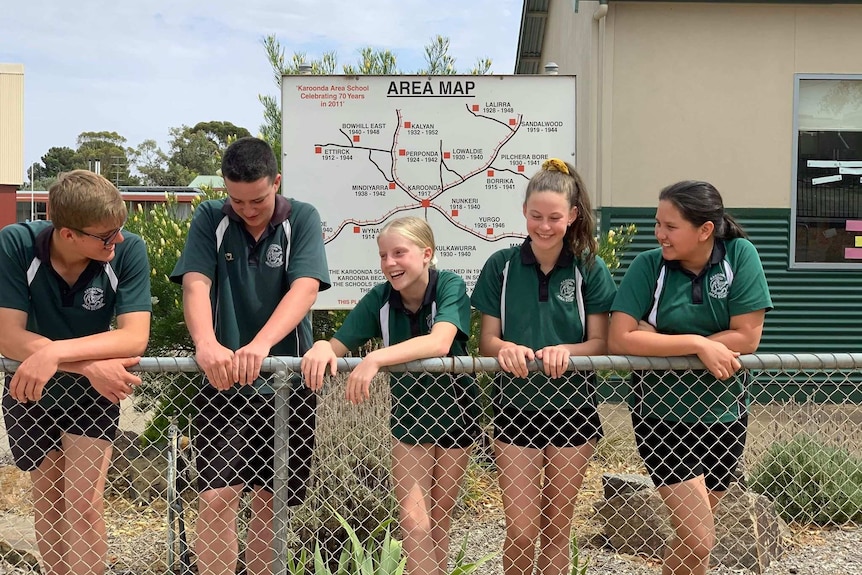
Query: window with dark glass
pixel 828 203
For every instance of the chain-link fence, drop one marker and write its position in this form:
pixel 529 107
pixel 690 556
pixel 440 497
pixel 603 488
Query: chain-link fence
pixel 801 463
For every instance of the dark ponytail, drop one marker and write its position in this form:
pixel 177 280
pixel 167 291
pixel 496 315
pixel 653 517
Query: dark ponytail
pixel 700 202
pixel 732 229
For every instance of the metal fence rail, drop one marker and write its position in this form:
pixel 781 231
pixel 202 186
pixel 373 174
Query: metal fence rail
pixel 800 402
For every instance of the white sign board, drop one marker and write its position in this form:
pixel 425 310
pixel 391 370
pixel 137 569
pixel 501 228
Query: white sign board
pixel 455 150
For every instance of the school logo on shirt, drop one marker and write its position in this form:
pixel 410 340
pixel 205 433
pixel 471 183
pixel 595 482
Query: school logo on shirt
pixel 567 291
pixel 718 286
pixel 275 256
pixel 94 298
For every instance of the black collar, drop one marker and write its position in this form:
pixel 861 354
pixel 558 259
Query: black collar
pixel 395 301
pixel 718 252
pixel 528 258
pixel 42 245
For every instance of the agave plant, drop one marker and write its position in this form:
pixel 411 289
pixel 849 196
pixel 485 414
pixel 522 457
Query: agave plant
pixel 371 557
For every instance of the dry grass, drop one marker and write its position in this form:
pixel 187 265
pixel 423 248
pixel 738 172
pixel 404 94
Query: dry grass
pixel 15 491
pixel 482 496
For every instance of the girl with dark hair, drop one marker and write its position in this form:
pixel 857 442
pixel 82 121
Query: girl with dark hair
pixel 546 299
pixel 702 292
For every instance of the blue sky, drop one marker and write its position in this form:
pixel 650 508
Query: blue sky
pixel 140 68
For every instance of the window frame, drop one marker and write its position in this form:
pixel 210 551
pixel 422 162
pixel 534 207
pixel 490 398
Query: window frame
pixel 793 264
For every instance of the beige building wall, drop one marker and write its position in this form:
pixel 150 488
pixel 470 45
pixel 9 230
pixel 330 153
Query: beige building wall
pixel 577 57
pixel 11 124
pixel 695 90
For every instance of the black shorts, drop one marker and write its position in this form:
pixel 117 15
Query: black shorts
pixel 235 434
pixel 541 429
pixel 34 430
pixel 676 451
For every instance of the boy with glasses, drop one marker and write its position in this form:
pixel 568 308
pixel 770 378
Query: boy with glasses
pixel 62 282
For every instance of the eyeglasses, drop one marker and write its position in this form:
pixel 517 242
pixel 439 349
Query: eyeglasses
pixel 106 239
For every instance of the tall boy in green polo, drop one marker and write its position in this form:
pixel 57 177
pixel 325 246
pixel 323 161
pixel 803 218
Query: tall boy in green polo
pixel 61 284
pixel 251 270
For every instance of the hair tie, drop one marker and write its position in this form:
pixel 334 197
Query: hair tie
pixel 555 164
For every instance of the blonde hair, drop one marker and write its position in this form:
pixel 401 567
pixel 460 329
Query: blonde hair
pixel 416 230
pixel 81 198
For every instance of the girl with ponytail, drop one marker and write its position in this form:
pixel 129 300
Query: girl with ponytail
pixel 546 299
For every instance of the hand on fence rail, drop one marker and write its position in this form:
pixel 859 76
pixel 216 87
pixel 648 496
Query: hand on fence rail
pixel 802 405
pixel 111 377
pixel 216 361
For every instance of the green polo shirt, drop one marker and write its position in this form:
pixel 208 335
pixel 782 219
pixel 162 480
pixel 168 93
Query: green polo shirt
pixel 424 406
pixel 250 278
pixel 676 301
pixel 538 310
pixel 57 310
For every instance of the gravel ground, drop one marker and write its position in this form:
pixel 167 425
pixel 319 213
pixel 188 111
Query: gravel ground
pixel 137 543
pixel 832 552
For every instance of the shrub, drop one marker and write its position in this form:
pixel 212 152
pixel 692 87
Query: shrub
pixel 613 245
pixel 164 228
pixel 810 482
pixel 378 554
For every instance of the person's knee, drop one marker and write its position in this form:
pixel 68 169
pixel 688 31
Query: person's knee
pixel 83 511
pixel 414 520
pixel 522 534
pixel 696 546
pixel 556 534
pixel 216 503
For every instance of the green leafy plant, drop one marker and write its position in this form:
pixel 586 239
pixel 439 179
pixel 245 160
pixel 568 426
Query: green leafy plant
pixel 810 482
pixel 579 563
pixel 462 567
pixel 613 244
pixel 371 556
pixel 164 228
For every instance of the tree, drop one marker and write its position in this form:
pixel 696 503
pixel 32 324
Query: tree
pixel 194 151
pixel 61 159
pixel 38 177
pixel 108 149
pixel 221 133
pixel 152 164
pixel 370 61
pixel 438 58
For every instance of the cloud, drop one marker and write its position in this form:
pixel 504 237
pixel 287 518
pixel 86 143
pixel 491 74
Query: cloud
pixel 140 68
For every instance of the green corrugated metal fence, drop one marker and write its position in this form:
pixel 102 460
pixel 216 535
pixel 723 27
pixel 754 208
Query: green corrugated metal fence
pixel 816 311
